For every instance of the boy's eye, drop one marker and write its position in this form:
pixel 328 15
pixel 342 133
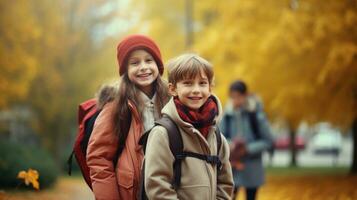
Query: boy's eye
pixel 187 82
pixel 203 82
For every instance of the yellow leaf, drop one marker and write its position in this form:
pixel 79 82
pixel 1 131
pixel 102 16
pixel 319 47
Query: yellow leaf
pixel 31 176
pixel 22 174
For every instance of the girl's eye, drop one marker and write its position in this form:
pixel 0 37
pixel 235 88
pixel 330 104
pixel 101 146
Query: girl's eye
pixel 149 60
pixel 203 83
pixel 134 63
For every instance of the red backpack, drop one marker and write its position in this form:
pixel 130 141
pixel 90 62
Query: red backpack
pixel 87 114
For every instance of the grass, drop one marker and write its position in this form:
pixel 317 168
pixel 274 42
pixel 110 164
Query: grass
pixel 306 171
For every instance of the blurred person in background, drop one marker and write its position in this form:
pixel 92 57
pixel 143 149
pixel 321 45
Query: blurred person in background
pixel 247 129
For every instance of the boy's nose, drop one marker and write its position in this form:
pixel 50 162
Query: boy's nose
pixel 195 88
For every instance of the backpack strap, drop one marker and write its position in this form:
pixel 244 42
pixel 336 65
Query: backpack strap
pixel 69 163
pixel 89 124
pixel 254 125
pixel 219 145
pixel 88 128
pixel 208 158
pixel 227 125
pixel 171 128
pixel 176 147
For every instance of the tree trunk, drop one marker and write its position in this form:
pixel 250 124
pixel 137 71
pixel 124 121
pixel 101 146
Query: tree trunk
pixel 354 154
pixel 293 150
pixel 189 23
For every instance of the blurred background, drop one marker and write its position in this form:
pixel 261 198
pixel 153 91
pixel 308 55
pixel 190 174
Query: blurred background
pixel 299 56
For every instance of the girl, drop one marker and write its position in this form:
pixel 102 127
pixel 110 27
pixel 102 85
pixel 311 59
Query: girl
pixel 114 156
pixel 195 111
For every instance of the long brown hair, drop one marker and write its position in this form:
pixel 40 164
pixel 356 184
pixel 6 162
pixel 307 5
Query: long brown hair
pixel 128 91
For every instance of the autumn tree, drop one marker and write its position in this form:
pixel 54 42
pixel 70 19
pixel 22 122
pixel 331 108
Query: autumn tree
pixel 53 58
pixel 70 72
pixel 18 64
pixel 164 21
pixel 300 56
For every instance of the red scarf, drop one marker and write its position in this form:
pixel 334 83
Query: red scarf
pixel 203 118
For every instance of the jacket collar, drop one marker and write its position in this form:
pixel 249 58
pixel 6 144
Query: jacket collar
pixel 146 100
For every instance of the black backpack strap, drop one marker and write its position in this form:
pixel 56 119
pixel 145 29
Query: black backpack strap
pixel 175 144
pixel 254 125
pixel 219 139
pixel 144 139
pixel 88 128
pixel 176 147
pixel 69 163
pixel 141 195
pixel 227 125
pixel 143 142
pixel 219 145
pixel 208 158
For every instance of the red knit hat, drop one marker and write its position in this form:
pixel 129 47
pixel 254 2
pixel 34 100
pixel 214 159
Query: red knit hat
pixel 135 42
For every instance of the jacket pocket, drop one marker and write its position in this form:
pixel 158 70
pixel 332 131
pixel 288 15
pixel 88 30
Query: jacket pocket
pixel 125 179
pixel 194 192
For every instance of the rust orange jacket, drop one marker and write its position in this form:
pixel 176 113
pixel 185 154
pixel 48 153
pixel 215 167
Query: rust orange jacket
pixel 120 182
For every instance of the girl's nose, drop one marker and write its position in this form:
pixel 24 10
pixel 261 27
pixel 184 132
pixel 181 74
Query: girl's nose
pixel 143 66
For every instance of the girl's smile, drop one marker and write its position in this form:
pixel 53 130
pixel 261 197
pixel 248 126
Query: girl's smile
pixel 144 76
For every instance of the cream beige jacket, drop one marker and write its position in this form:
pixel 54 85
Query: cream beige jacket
pixel 199 179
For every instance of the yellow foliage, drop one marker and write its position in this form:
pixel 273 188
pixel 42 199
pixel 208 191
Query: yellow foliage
pixel 302 62
pixel 31 176
pixel 164 25
pixel 17 59
pixel 300 56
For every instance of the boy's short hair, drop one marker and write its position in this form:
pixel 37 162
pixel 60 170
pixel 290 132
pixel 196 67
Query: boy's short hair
pixel 238 86
pixel 188 66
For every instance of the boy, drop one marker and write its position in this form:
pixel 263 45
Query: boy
pixel 195 111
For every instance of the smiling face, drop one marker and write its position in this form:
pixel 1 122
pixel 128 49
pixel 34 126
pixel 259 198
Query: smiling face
pixel 142 70
pixel 194 92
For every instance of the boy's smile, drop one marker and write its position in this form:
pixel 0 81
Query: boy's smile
pixel 195 98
